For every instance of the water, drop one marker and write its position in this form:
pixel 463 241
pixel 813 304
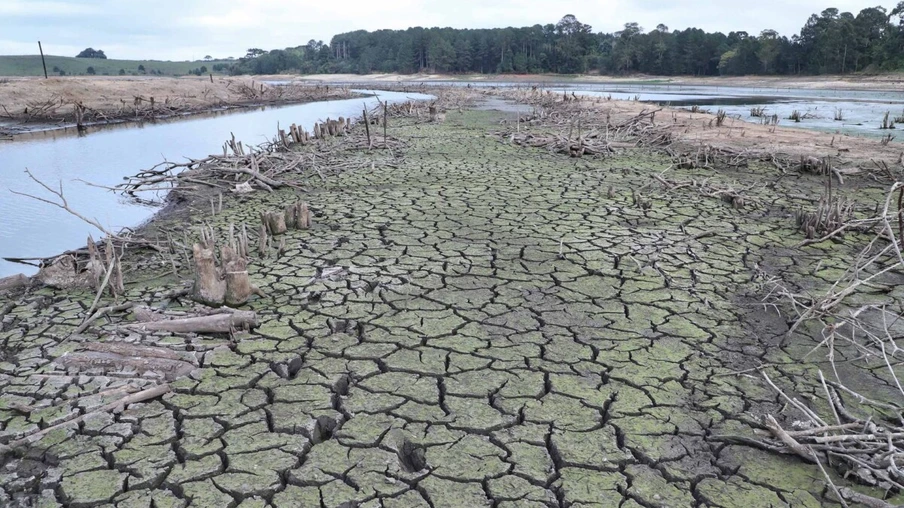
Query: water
pixel 862 110
pixel 674 92
pixel 29 228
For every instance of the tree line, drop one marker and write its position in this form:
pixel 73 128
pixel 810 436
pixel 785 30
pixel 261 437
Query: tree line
pixel 830 42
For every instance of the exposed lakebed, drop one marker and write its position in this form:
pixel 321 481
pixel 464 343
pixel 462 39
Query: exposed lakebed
pixel 858 112
pixel 478 324
pixel 29 228
pixel 862 111
pixel 32 229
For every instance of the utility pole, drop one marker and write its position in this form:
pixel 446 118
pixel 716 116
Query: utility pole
pixel 41 49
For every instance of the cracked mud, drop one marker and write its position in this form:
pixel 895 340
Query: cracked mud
pixel 485 325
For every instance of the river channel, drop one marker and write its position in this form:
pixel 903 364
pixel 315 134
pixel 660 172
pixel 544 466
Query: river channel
pixel 29 228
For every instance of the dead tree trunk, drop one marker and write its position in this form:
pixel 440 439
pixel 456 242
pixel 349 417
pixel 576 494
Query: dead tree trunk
pixel 238 284
pixel 302 216
pixel 367 130
pixel 215 323
pixel 275 222
pixel 291 217
pixel 209 289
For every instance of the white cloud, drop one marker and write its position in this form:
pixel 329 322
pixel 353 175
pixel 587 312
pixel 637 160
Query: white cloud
pixel 182 29
pixel 20 8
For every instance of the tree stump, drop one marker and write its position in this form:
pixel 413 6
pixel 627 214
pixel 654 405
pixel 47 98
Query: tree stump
pixel 262 242
pixel 291 217
pixel 209 288
pixel 302 216
pixel 238 284
pixel 276 223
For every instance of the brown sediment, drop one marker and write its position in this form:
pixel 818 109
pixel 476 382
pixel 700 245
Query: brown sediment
pixel 28 104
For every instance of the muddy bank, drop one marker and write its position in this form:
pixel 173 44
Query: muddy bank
pixel 704 130
pixel 30 104
pixel 471 320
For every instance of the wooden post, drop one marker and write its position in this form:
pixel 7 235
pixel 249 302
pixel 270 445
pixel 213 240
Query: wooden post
pixel 211 77
pixel 367 129
pixel 41 49
pixel 79 112
pixel 385 121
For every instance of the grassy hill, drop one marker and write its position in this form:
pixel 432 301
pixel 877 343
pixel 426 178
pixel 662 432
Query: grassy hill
pixel 30 65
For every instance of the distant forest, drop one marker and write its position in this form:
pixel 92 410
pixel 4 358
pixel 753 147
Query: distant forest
pixel 831 42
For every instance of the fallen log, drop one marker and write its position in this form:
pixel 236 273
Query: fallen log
pixel 127 349
pixel 225 322
pixel 113 362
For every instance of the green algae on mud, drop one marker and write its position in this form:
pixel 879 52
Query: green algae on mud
pixel 501 332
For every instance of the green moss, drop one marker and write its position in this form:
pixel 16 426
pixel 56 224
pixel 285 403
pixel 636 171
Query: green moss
pixel 92 488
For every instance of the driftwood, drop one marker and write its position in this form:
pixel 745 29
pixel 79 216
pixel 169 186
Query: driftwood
pixel 115 407
pixel 128 349
pixel 128 361
pixel 225 322
pixel 63 203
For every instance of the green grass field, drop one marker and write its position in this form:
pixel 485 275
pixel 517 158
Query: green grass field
pixel 30 65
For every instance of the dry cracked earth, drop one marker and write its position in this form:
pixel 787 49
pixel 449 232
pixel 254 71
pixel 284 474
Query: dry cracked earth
pixel 484 325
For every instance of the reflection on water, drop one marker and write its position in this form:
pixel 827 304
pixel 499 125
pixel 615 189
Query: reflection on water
pixel 862 110
pixel 29 228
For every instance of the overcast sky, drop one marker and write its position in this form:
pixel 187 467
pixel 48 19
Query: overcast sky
pixel 191 29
